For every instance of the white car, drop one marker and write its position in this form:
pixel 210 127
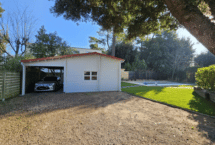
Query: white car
pixel 49 83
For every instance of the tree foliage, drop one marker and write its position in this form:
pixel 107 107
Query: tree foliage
pixel 49 44
pixel 106 39
pixel 143 17
pixel 167 54
pixel 3 42
pixel 125 51
pixel 205 59
pixel 95 44
pixel 140 18
pixel 138 65
pixel 13 63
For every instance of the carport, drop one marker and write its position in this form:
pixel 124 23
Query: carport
pixel 48 63
pixel 35 74
pixel 86 72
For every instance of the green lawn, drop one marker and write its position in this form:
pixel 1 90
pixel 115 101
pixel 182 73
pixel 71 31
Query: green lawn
pixel 181 96
pixel 123 84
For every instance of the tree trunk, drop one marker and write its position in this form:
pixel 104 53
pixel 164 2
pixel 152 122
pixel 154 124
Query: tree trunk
pixel 174 67
pixel 113 43
pixel 200 26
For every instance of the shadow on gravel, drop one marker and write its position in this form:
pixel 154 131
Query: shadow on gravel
pixel 38 103
pixel 206 124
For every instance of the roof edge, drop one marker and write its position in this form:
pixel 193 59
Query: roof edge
pixel 71 55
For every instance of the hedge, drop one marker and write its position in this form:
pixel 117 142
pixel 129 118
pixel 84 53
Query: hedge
pixel 205 77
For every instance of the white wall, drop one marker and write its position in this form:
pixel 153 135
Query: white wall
pixel 75 74
pixel 109 80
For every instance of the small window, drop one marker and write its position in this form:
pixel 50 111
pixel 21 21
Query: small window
pixel 86 75
pixel 94 75
pixel 94 78
pixel 86 78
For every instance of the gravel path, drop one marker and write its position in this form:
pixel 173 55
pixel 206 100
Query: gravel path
pixel 99 118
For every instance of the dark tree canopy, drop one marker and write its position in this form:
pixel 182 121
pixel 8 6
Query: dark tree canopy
pixel 139 17
pixel 49 44
pixel 142 17
pixel 205 59
pixel 166 54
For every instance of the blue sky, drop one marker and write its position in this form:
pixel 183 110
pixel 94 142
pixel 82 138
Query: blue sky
pixel 75 35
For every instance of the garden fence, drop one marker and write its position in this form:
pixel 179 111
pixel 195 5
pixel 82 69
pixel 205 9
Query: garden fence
pixel 9 84
pixel 138 75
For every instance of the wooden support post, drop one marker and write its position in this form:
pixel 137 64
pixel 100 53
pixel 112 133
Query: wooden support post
pixel 23 79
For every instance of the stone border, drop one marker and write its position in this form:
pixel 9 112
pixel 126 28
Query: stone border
pixel 172 105
pixel 202 92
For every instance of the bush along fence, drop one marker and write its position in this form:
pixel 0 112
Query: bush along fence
pixel 9 84
pixel 205 78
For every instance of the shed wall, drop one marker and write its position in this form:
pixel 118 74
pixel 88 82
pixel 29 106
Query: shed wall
pixel 75 74
pixel 109 74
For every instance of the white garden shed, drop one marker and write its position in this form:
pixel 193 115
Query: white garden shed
pixel 86 72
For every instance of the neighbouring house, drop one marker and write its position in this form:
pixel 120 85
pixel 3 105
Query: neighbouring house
pixel 86 72
pixel 78 50
pixel 86 50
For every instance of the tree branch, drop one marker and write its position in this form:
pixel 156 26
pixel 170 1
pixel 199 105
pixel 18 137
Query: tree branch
pixel 195 22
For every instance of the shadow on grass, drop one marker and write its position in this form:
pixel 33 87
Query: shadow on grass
pixel 201 105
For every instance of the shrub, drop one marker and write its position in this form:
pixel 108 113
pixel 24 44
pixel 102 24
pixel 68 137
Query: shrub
pixel 14 63
pixel 205 77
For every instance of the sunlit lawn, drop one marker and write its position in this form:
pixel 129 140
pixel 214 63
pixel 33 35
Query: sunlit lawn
pixel 180 96
pixel 123 84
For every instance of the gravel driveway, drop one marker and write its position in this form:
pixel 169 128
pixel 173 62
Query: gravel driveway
pixel 99 118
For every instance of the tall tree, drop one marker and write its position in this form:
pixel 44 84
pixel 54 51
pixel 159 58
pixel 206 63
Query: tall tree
pixel 192 14
pixel 49 44
pixel 126 51
pixel 205 59
pixel 140 18
pixel 106 37
pixel 16 30
pixel 166 54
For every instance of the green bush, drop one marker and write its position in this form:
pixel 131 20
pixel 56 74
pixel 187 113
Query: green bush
pixel 14 63
pixel 205 77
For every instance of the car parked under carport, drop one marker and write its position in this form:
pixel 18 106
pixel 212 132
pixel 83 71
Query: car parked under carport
pixel 49 83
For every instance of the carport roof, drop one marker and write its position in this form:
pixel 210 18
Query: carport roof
pixel 71 55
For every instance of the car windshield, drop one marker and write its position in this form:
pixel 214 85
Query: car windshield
pixel 50 79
